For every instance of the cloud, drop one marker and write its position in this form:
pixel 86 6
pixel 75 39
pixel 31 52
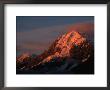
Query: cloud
pixel 82 27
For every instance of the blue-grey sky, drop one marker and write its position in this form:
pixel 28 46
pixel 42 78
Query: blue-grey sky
pixel 36 33
pixel 25 23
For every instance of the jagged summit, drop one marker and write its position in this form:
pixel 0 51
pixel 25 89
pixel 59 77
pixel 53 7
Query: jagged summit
pixel 71 48
pixel 62 46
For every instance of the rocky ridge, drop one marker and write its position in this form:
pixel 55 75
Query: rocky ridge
pixel 66 52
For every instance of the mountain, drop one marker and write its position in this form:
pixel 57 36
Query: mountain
pixel 69 53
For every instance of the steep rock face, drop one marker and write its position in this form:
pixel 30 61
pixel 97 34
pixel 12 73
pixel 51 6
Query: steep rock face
pixel 62 46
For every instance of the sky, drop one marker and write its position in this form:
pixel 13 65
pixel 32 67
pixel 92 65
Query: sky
pixel 36 33
pixel 25 23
